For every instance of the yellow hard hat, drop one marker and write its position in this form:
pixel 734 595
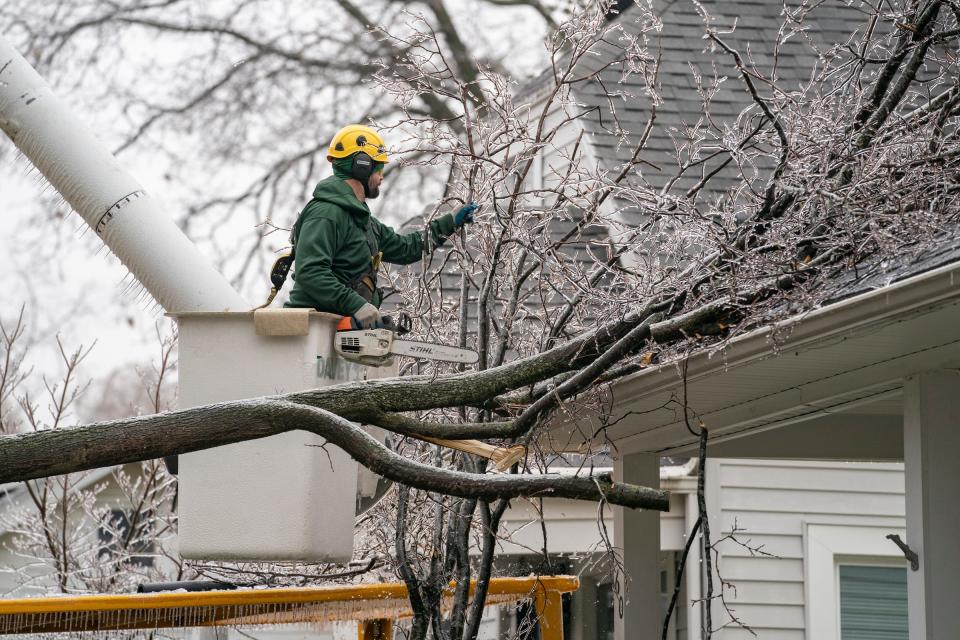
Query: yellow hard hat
pixel 357 137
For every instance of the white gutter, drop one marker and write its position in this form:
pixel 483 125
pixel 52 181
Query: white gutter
pixel 106 196
pixel 912 296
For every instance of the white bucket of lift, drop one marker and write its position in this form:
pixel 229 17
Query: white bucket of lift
pixel 280 498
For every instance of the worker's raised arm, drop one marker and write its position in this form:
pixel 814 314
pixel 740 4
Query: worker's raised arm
pixel 407 248
pixel 317 286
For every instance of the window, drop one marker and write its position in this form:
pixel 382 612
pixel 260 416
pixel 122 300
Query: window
pixel 873 602
pixel 114 534
pixel 830 547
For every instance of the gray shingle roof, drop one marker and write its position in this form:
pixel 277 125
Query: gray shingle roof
pixel 878 271
pixel 683 50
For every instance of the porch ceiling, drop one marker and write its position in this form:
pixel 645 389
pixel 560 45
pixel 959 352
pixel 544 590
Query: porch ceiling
pixel 828 386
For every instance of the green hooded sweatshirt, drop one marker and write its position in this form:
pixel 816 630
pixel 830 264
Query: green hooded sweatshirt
pixel 332 250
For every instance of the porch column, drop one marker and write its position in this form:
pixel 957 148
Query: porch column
pixel 931 447
pixel 637 534
pixel 692 574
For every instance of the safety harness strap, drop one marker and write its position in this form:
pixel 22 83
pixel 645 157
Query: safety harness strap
pixel 366 283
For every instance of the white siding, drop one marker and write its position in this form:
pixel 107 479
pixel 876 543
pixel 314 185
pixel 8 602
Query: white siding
pixel 770 502
pixel 553 160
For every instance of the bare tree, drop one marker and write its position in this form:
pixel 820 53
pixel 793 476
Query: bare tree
pixel 64 532
pixel 248 95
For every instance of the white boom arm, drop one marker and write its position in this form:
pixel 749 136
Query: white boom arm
pixel 126 217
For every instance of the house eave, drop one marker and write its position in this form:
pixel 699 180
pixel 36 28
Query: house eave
pixel 838 358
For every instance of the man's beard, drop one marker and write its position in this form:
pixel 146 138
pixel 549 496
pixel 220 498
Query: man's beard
pixel 372 191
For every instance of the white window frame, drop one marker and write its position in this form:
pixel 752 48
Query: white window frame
pixel 535 178
pixel 826 546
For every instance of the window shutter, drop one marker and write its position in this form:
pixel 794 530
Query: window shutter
pixel 873 603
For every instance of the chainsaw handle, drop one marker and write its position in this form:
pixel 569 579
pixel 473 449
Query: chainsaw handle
pixel 400 324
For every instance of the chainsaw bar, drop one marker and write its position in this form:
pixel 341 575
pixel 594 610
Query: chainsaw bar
pixel 432 351
pixel 376 348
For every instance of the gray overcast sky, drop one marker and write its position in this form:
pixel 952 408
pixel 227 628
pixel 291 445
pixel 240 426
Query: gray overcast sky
pixel 69 286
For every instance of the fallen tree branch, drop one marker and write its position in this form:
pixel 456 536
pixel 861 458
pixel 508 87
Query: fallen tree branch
pixel 58 451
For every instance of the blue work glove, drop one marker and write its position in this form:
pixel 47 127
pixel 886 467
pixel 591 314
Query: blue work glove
pixel 465 214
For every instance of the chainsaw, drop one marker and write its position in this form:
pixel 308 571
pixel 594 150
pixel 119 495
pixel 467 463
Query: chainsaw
pixel 377 347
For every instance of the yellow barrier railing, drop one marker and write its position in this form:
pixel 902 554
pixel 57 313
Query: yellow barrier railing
pixel 373 606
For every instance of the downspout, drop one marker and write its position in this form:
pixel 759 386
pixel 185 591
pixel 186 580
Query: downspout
pixel 127 218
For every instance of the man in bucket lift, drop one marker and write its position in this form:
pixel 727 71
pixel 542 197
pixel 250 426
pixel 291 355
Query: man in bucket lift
pixel 338 245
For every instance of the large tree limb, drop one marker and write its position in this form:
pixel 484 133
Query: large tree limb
pixel 327 412
pixel 59 451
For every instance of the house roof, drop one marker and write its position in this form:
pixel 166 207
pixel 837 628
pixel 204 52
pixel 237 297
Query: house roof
pixel 620 103
pixel 621 108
